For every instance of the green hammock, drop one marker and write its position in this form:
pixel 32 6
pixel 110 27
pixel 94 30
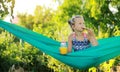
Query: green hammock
pixel 108 47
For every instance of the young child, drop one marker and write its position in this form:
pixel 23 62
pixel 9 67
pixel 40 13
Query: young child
pixel 79 40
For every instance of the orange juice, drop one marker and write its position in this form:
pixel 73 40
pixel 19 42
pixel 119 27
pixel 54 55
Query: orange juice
pixel 63 50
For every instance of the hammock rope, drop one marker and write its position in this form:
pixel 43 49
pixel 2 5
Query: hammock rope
pixel 108 47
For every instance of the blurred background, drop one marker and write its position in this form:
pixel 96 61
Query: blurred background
pixel 50 17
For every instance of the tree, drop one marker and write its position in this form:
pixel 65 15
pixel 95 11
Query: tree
pixel 6 7
pixel 97 14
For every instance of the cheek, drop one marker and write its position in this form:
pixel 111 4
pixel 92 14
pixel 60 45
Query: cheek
pixel 83 26
pixel 80 26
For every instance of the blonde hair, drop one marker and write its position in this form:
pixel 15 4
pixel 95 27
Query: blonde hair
pixel 72 20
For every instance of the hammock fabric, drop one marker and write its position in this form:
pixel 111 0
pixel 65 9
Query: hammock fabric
pixel 108 47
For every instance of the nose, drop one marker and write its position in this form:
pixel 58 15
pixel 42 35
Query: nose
pixel 83 26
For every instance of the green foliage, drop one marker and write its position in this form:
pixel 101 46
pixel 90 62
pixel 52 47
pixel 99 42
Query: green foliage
pixel 14 51
pixel 54 29
pixel 53 24
pixel 6 7
pixel 26 20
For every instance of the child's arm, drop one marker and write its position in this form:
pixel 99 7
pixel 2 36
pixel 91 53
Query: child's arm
pixel 92 37
pixel 70 43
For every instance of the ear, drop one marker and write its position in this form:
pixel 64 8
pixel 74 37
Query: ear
pixel 73 26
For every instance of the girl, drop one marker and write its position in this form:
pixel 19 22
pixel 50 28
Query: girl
pixel 79 40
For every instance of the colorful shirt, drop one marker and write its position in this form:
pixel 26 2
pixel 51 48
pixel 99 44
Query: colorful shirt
pixel 80 45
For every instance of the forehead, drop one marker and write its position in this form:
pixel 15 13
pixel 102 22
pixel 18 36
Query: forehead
pixel 79 20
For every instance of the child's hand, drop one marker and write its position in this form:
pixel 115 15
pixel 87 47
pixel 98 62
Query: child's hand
pixel 90 32
pixel 92 37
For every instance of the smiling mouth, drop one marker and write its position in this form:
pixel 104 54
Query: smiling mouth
pixel 83 28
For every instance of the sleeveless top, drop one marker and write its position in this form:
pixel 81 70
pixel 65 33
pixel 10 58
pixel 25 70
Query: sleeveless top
pixel 80 45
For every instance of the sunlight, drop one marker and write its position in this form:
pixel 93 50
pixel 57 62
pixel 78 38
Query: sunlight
pixel 28 6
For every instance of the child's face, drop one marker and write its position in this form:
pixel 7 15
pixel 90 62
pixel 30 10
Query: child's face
pixel 79 24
